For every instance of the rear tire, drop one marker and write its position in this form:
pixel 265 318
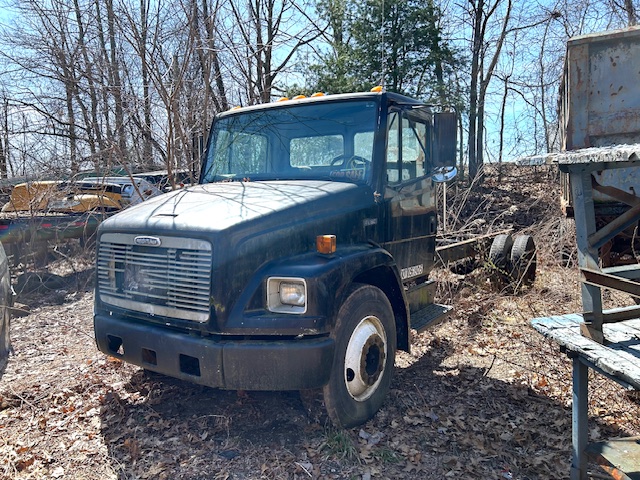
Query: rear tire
pixel 499 258
pixel 365 338
pixel 523 260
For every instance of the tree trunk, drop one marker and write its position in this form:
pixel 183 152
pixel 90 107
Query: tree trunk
pixel 106 108
pixel 94 132
pixel 116 86
pixel 70 88
pixel 4 139
pixel 503 107
pixel 631 12
pixel 147 149
pixel 473 95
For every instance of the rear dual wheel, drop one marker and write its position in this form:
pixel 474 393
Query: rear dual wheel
pixel 365 339
pixel 512 261
pixel 523 260
pixel 499 258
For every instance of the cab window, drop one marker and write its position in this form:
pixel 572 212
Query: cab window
pixel 406 145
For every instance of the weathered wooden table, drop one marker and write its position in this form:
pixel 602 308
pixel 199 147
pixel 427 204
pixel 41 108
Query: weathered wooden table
pixel 619 360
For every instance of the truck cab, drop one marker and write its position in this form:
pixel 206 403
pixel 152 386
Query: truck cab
pixel 300 261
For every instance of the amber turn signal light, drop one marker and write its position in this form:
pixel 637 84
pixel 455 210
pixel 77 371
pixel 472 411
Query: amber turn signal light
pixel 326 244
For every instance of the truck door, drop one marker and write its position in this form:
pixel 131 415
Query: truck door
pixel 409 196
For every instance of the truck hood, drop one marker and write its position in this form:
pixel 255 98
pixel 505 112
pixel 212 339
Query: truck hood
pixel 218 206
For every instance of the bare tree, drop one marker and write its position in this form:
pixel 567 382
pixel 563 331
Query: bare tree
pixel 204 27
pixel 4 136
pixel 535 88
pixel 625 10
pixel 147 155
pixel 262 28
pixel 206 37
pixel 50 58
pixel 481 14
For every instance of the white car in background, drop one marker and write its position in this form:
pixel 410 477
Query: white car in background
pixel 132 190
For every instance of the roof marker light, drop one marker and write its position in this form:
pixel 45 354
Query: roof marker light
pixel 318 94
pixel 299 97
pixel 283 99
pixel 377 89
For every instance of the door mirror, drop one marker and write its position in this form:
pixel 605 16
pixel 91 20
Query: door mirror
pixel 444 174
pixel 445 129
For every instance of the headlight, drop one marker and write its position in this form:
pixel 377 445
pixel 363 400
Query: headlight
pixel 293 294
pixel 287 295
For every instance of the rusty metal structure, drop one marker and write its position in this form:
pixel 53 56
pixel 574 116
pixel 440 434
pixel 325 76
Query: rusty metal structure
pixel 600 124
pixel 599 110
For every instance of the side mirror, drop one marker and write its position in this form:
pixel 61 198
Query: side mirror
pixel 444 174
pixel 445 132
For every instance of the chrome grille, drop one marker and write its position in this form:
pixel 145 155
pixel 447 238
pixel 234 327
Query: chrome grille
pixel 172 279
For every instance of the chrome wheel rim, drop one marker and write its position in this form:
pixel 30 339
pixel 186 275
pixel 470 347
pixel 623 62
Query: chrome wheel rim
pixel 365 358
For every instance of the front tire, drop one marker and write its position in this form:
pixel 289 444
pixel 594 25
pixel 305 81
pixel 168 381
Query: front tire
pixel 365 337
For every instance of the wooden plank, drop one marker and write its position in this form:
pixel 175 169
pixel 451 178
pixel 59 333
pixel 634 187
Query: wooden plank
pixel 624 331
pixel 600 279
pixel 613 228
pixel 619 335
pixel 625 271
pixel 619 457
pixel 598 158
pixel 633 326
pixel 620 358
pixel 635 349
pixel 559 320
pixel 613 317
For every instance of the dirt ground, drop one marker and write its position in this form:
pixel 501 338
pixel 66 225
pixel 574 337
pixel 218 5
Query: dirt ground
pixel 480 396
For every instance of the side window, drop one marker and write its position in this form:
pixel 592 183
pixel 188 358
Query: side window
pixel 406 140
pixel 394 175
pixel 415 144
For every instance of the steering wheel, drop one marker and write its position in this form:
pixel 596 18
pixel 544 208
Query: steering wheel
pixel 353 162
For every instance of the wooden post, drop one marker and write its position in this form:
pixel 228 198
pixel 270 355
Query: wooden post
pixel 580 418
pixel 584 214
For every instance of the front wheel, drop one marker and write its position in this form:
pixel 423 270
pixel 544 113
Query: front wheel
pixel 365 337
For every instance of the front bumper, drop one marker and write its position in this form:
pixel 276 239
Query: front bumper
pixel 293 364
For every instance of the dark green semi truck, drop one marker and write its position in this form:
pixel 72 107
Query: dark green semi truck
pixel 300 261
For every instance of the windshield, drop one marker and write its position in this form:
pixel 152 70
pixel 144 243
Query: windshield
pixel 332 140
